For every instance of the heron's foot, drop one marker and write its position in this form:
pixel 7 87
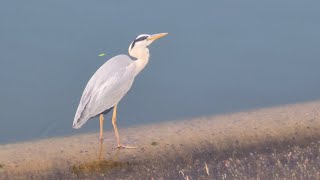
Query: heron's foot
pixel 120 146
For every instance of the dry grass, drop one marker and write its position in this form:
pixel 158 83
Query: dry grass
pixel 287 162
pixel 292 163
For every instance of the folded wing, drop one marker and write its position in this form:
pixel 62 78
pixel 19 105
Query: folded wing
pixel 105 88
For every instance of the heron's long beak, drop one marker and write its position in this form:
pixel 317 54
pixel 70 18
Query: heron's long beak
pixel 156 36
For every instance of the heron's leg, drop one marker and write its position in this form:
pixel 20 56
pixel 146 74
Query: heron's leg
pixel 114 122
pixel 100 152
pixel 101 128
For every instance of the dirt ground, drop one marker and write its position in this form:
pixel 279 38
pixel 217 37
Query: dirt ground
pixel 270 143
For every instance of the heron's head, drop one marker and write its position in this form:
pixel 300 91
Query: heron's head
pixel 139 46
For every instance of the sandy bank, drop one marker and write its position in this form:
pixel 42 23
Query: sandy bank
pixel 170 144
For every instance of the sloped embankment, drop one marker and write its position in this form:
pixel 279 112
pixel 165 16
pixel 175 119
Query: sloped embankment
pixel 267 143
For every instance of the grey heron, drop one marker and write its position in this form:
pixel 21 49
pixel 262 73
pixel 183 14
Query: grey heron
pixel 111 82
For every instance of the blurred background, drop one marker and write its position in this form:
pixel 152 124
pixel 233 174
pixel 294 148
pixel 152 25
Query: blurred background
pixel 219 57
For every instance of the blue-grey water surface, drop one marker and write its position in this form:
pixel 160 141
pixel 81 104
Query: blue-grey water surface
pixel 219 57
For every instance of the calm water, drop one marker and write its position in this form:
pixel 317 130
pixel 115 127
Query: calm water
pixel 219 57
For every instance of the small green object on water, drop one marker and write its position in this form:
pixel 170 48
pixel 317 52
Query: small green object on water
pixel 102 54
pixel 154 143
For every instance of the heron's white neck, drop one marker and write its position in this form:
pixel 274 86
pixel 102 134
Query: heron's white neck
pixel 142 55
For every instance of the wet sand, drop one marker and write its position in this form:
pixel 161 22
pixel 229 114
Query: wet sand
pixel 267 143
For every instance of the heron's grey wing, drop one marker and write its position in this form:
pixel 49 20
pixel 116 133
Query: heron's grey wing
pixel 105 88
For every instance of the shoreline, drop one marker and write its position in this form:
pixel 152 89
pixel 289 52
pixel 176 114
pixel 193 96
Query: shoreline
pixel 165 144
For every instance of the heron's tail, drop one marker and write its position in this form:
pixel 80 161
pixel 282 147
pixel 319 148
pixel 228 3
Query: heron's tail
pixel 78 124
pixel 80 117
